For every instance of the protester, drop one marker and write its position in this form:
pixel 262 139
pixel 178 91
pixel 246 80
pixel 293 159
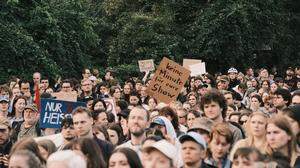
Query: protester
pixel 46 147
pixel 256 134
pixel 169 113
pixel 282 99
pixel 203 127
pixel 29 127
pixel 115 134
pixel 24 159
pixel 221 140
pixel 5 141
pixel 246 158
pixel 4 105
pixel 100 117
pixel 87 147
pixel 160 154
pixel 193 149
pixel 213 105
pixel 66 159
pixel 100 131
pixel 83 121
pixel 67 131
pixel 138 121
pixel 191 116
pixel 296 97
pixel 28 144
pixel 124 158
pixel 16 116
pixel 235 114
pixel 280 138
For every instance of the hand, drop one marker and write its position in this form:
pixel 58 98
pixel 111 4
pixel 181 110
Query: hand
pixel 170 139
pixel 4 160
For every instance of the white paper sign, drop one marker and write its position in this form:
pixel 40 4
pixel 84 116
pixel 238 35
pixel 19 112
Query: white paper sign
pixel 146 65
pixel 187 62
pixel 198 69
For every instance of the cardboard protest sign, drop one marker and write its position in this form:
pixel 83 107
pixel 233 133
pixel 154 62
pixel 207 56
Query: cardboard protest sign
pixel 187 62
pixel 65 96
pixel 111 106
pixel 146 65
pixel 197 69
pixel 53 111
pixel 168 81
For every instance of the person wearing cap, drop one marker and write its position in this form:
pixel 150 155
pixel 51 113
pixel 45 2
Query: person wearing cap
pixel 165 126
pixel 223 83
pixel 4 105
pixel 202 89
pixel 5 141
pixel 29 127
pixel 203 127
pixel 232 74
pixel 161 154
pixel 193 150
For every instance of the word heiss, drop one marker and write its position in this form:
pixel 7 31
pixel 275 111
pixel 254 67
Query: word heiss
pixel 53 113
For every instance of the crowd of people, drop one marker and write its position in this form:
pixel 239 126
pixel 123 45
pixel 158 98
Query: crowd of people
pixel 236 119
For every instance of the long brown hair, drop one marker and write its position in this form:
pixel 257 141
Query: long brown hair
pixel 91 150
pixel 282 123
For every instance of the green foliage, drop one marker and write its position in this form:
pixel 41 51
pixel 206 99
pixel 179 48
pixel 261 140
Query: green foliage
pixel 62 37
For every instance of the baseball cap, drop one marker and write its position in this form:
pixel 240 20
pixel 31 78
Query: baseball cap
pixel 4 98
pixel 4 123
pixel 202 123
pixel 223 78
pixel 232 70
pixel 165 148
pixel 157 121
pixel 33 107
pixel 194 136
pixel 204 85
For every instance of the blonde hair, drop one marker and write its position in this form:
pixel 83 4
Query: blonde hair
pixel 250 136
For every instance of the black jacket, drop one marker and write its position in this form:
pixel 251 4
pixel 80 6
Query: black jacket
pixel 4 151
